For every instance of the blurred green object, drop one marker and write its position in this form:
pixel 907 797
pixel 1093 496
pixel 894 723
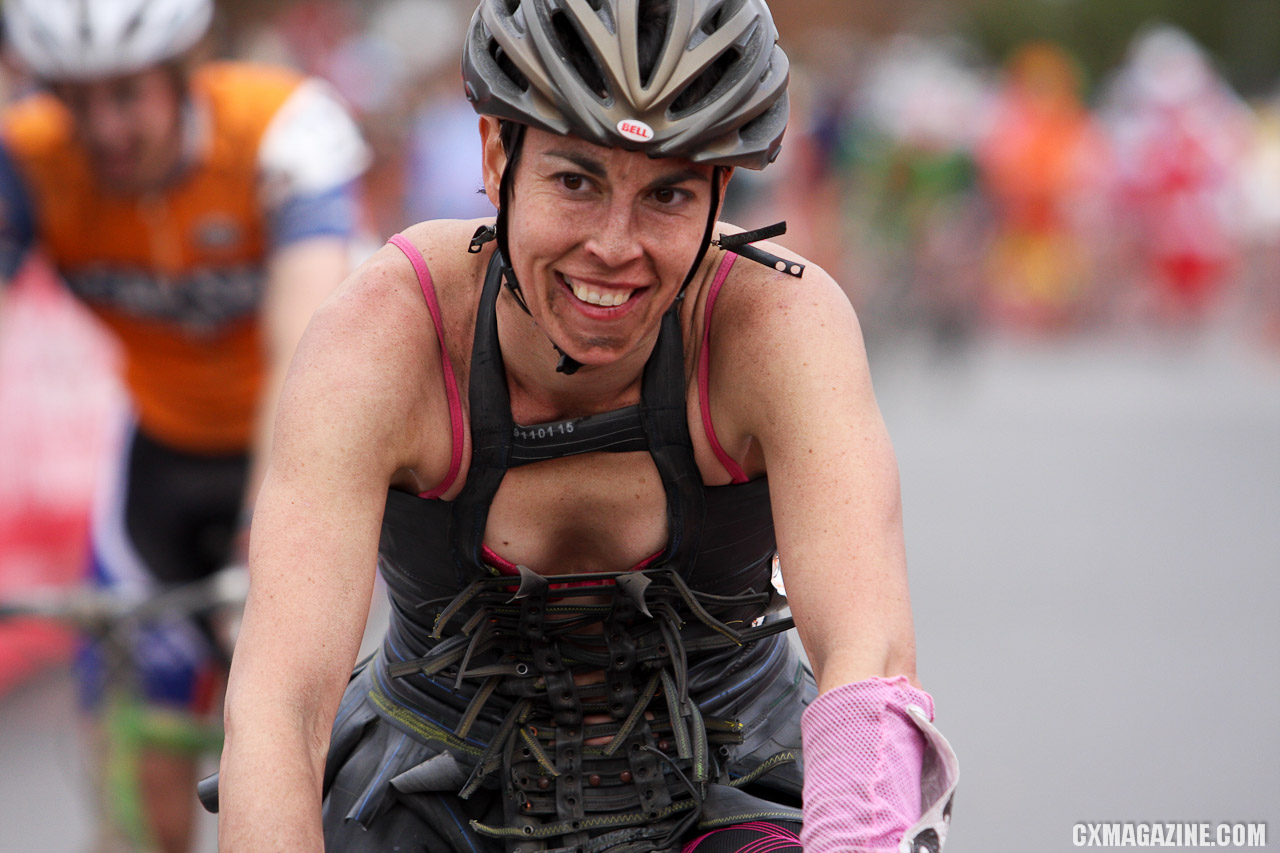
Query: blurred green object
pixel 1241 35
pixel 131 726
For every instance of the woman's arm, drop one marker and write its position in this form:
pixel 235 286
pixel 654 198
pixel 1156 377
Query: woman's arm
pixel 806 400
pixel 349 419
pixel 801 389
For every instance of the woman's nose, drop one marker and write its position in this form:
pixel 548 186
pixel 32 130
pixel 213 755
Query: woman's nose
pixel 614 239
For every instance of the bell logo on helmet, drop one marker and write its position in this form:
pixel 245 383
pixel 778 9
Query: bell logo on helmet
pixel 635 130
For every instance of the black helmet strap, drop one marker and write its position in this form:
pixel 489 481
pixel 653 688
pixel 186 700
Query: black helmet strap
pixel 716 174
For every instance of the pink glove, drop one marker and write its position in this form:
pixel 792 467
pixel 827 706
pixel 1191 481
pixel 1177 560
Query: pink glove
pixel 862 766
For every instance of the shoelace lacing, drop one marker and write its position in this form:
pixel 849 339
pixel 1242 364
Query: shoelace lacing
pixel 645 786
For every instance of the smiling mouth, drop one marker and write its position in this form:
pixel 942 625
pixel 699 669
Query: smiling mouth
pixel 595 294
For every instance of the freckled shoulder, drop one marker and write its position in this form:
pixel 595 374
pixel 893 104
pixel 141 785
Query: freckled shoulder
pixel 365 333
pixel 457 275
pixel 375 347
pixel 757 300
pixel 379 317
pixel 766 329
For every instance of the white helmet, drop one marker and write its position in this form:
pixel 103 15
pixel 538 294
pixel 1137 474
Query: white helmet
pixel 88 39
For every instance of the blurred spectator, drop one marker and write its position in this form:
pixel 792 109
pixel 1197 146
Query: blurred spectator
pixel 804 187
pixel 58 398
pixel 443 178
pixel 919 110
pixel 1179 133
pixel 397 63
pixel 1042 158
pixel 1260 188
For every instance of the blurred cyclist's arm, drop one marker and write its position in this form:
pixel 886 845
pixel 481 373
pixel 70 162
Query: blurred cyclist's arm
pixel 350 418
pixel 301 275
pixel 17 222
pixel 309 160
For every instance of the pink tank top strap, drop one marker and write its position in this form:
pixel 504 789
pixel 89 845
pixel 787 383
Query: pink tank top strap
pixel 704 368
pixel 450 380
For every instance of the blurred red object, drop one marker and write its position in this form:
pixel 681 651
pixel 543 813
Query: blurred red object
pixel 58 402
pixel 1181 135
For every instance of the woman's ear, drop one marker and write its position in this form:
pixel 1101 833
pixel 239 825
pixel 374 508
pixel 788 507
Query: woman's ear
pixel 726 172
pixel 494 159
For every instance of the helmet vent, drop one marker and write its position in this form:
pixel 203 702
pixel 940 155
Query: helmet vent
pixel 654 31
pixel 514 74
pixel 83 28
pixel 131 28
pixel 705 82
pixel 580 56
pixel 712 23
pixel 46 39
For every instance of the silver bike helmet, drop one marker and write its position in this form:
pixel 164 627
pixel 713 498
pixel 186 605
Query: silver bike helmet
pixel 715 90
pixel 88 39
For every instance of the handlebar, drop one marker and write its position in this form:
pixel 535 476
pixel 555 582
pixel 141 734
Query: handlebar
pixel 97 610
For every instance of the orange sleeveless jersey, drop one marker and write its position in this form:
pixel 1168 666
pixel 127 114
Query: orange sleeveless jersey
pixel 177 274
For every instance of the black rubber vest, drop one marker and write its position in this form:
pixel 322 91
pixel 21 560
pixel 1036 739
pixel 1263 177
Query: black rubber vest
pixel 721 537
pixel 480 669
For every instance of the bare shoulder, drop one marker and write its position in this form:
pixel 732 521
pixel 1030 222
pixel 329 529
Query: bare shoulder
pixel 383 301
pixel 783 348
pixel 761 311
pixel 371 359
pixel 789 366
pixel 443 244
pixel 362 366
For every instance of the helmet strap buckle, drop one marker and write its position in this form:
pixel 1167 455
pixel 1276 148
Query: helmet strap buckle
pixel 484 234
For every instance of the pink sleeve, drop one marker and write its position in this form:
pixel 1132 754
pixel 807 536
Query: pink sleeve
pixel 450 381
pixel 863 760
pixel 704 371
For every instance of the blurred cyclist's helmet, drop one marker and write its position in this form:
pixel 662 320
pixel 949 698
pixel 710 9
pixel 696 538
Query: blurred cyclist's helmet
pixel 716 92
pixel 1168 66
pixel 90 39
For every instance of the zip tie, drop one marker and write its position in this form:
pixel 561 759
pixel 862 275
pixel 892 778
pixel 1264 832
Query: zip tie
pixel 730 241
pixel 782 265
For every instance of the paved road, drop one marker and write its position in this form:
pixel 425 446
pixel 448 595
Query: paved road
pixel 1094 540
pixel 1094 536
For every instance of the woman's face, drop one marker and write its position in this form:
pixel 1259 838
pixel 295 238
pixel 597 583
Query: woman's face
pixel 600 238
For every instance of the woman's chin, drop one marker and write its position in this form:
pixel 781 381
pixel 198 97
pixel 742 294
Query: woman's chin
pixel 594 356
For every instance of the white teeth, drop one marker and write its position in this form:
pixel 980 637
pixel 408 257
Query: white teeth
pixel 594 297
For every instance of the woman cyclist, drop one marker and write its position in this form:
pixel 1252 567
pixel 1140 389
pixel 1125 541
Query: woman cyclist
pixel 573 439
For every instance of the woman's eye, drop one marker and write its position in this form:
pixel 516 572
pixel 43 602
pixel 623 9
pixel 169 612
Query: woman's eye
pixel 668 196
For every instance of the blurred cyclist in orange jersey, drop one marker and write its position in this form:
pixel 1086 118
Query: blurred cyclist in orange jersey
pixel 202 211
pixel 1041 159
